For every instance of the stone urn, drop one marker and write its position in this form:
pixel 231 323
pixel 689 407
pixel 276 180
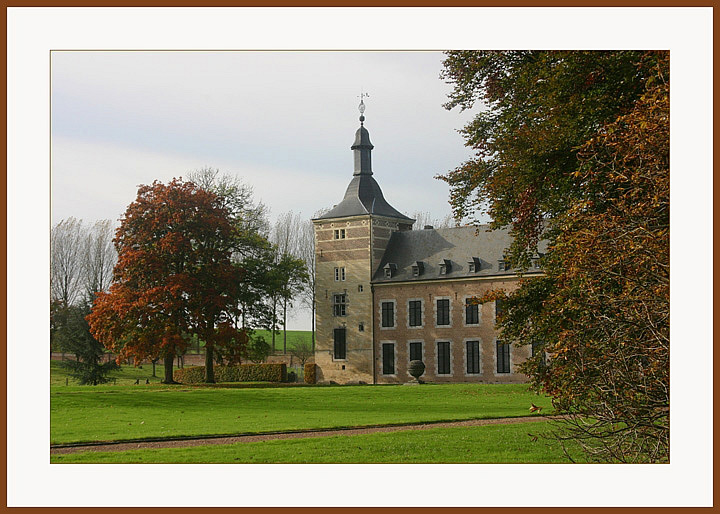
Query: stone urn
pixel 416 369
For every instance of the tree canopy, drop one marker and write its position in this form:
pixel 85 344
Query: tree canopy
pixel 174 275
pixel 574 147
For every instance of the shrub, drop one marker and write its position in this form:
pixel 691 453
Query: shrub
pixel 242 373
pixel 310 377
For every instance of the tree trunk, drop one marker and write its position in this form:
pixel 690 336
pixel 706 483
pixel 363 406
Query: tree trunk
pixel 153 363
pixel 285 326
pixel 274 311
pixel 209 361
pixel 169 358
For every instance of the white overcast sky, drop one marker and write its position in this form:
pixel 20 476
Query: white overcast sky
pixel 282 121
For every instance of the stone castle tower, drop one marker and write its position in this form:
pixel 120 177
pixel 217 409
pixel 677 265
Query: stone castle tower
pixel 349 243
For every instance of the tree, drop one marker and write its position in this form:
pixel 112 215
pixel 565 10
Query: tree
pixel 291 271
pixel 236 196
pixel 99 258
pixel 539 108
pixel 302 350
pixel 306 252
pixel 255 255
pixel 424 218
pixel 174 274
pixel 75 337
pixel 66 261
pixel 258 350
pixel 598 320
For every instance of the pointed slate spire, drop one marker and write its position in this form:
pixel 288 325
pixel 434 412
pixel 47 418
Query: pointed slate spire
pixel 362 146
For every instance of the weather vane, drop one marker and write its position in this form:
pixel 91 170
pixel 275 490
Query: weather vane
pixel 361 107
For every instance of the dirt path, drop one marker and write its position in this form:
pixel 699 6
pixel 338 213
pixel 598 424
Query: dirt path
pixel 292 435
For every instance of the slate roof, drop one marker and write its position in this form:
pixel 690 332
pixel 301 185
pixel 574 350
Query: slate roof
pixel 363 196
pixel 435 246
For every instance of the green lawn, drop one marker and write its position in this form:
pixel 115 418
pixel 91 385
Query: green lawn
pixel 484 444
pixel 125 376
pixel 101 413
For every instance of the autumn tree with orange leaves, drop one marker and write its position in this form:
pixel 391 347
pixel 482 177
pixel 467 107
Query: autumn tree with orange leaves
pixel 575 149
pixel 174 276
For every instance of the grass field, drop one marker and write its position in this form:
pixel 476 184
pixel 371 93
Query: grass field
pixel 102 413
pixel 484 444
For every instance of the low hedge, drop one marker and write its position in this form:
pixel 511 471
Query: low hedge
pixel 243 373
pixel 309 372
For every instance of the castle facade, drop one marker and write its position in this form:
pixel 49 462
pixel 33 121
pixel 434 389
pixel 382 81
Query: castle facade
pixel 387 294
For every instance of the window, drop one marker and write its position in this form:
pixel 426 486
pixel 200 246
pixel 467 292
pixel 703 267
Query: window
pixel 499 308
pixel 503 357
pixel 501 265
pixel 339 346
pixel 472 312
pixel 445 266
pixel 360 288
pixel 361 327
pixel 389 269
pixel 415 313
pixel 339 303
pixel 443 312
pixel 443 358
pixel 388 356
pixel 417 268
pixel 340 233
pixel 339 274
pixel 416 351
pixel 388 314
pixel 473 265
pixel 473 357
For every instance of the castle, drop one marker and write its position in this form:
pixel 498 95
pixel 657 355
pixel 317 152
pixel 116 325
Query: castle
pixel 387 294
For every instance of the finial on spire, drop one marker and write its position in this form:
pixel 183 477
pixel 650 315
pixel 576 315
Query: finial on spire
pixel 361 107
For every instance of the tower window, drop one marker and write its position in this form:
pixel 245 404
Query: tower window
pixel 339 274
pixel 339 233
pixel 339 304
pixel 360 288
pixel 388 356
pixel 339 345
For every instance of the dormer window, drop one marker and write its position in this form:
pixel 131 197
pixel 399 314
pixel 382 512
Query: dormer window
pixel 417 268
pixel 445 266
pixel 389 269
pixel 536 260
pixel 473 265
pixel 503 264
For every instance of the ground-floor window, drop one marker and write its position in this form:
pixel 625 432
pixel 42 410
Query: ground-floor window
pixel 416 351
pixel 443 358
pixel 339 345
pixel 388 358
pixel 503 357
pixel 473 357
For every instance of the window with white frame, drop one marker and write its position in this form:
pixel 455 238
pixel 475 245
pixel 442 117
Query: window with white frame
pixel 340 274
pixel 339 305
